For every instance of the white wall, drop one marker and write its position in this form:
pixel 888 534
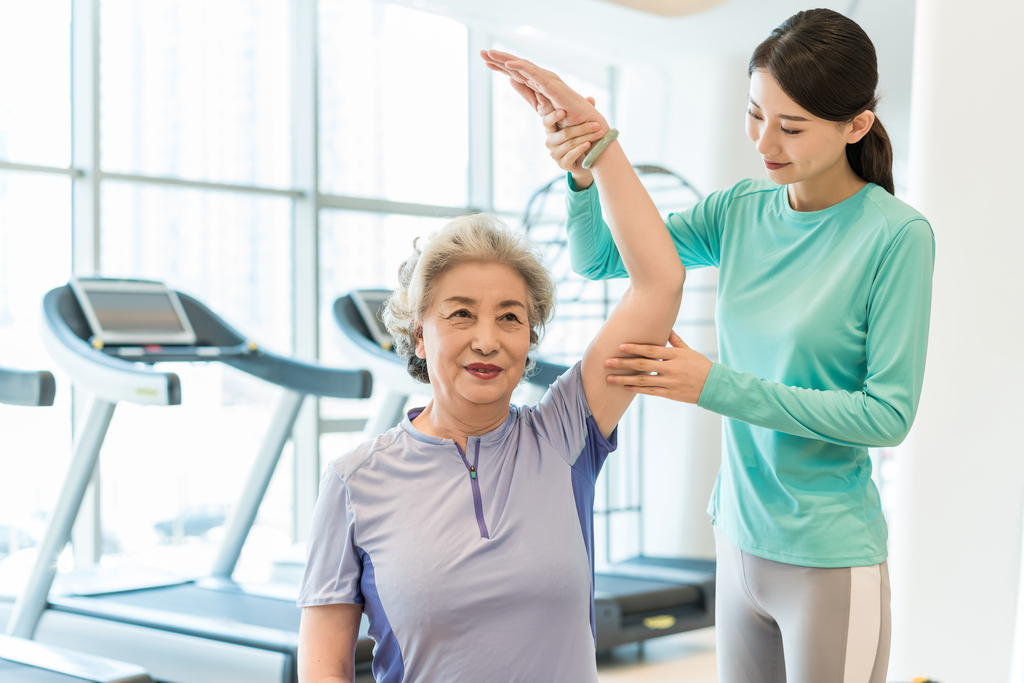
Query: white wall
pixel 955 558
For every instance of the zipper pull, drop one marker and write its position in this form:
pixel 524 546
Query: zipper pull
pixel 472 472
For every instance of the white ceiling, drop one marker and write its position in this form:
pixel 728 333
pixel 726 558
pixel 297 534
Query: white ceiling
pixel 732 28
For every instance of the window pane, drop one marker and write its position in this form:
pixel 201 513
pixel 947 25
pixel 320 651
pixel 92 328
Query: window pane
pixel 393 103
pixel 233 251
pixel 35 79
pixel 521 161
pixel 35 256
pixel 171 475
pixel 198 90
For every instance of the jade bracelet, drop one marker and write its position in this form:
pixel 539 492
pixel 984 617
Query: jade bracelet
pixel 599 147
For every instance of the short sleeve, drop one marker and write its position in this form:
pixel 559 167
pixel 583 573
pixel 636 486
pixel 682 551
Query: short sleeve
pixel 562 418
pixel 333 565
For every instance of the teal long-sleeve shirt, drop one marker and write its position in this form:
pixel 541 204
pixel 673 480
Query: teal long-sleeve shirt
pixel 822 323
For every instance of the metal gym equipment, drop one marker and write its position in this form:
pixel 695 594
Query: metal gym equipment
pixel 213 625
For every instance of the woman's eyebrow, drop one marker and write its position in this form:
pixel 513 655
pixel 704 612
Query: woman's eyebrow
pixel 508 303
pixel 781 116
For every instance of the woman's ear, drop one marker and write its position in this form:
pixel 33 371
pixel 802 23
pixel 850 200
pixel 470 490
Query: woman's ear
pixel 860 126
pixel 421 350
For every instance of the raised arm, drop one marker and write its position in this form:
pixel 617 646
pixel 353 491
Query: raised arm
pixel 649 307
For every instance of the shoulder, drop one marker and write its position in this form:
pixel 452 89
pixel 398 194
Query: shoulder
pixel 346 466
pixel 899 219
pixel 752 188
pixel 746 192
pixel 560 409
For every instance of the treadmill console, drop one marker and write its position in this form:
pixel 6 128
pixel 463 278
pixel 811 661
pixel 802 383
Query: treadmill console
pixel 370 304
pixel 132 312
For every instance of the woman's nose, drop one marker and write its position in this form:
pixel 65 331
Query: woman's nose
pixel 486 338
pixel 767 142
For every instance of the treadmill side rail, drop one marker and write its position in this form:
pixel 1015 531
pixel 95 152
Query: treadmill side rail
pixel 223 630
pixel 70 663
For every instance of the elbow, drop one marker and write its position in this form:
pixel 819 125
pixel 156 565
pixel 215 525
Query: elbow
pixel 894 430
pixel 666 282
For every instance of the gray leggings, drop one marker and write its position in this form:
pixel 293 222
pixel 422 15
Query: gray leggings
pixel 780 622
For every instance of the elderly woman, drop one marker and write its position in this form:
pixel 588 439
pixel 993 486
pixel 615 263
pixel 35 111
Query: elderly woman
pixel 465 533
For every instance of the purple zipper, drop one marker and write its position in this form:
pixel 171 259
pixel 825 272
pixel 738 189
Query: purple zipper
pixel 478 503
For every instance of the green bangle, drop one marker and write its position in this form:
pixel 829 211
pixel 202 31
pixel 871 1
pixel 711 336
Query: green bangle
pixel 593 154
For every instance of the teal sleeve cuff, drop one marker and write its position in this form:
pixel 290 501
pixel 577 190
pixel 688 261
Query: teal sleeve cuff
pixel 709 399
pixel 572 185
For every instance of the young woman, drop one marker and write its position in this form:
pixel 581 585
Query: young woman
pixel 823 307
pixel 466 532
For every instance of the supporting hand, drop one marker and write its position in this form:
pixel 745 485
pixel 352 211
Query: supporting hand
pixel 679 371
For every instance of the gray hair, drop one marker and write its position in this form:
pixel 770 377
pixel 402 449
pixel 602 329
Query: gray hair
pixel 479 238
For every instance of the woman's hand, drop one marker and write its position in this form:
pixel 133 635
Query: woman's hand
pixel 543 89
pixel 572 122
pixel 568 146
pixel 679 371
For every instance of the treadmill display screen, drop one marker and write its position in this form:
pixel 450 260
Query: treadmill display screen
pixel 135 312
pixel 375 302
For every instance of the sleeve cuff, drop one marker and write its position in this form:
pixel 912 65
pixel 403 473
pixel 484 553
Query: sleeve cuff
pixel 708 395
pixel 572 185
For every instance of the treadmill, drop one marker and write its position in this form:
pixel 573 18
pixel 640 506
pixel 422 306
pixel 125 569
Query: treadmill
pixel 25 661
pixel 183 630
pixel 634 600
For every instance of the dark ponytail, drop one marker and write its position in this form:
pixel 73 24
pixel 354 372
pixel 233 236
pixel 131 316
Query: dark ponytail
pixel 826 63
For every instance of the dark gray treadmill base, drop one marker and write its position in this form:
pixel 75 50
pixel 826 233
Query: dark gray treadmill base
pixel 647 597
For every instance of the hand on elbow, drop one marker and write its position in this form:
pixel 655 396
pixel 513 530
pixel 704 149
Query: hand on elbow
pixel 676 372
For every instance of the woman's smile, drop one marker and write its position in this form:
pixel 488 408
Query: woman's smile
pixel 484 371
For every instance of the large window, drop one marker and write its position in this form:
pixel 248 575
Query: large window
pixel 35 109
pixel 186 155
pixel 35 256
pixel 393 103
pixel 196 90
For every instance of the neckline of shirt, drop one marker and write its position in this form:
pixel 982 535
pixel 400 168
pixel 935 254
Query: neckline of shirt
pixel 816 216
pixel 496 434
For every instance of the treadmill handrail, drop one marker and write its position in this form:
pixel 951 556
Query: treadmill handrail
pixel 116 379
pixel 27 387
pixel 299 376
pixel 109 378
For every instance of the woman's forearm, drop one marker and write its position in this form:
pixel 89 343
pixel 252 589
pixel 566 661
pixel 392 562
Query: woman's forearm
pixel 643 242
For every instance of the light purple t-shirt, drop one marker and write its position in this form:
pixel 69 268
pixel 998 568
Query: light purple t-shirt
pixel 468 578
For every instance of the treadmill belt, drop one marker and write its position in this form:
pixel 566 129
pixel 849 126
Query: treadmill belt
pixel 190 599
pixel 13 672
pixel 635 595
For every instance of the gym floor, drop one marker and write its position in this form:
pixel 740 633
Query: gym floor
pixel 682 658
